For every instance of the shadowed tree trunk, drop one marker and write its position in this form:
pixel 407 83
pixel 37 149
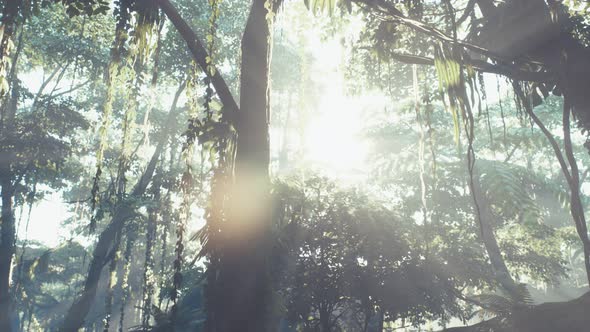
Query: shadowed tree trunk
pixel 105 246
pixel 325 324
pixel 485 218
pixel 7 176
pixel 242 288
pixel 7 221
pixel 8 27
pixel 7 236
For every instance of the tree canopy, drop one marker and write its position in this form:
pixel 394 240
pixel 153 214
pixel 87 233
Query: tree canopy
pixel 315 165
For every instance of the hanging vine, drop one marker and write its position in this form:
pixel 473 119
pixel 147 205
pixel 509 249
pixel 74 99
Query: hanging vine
pixel 140 48
pixel 210 40
pixel 186 184
pixel 30 199
pixel 453 78
pixel 421 148
pixel 112 281
pixel 148 270
pixel 131 234
pixel 154 81
pixel 166 221
pixel 126 152
pixel 126 64
pixel 211 132
pixel 484 99
pixel 216 138
pixel 448 73
pixel 122 14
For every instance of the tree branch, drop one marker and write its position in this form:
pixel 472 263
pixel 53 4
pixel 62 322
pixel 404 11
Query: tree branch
pixel 200 54
pixel 387 10
pixel 529 110
pixel 70 90
pixel 46 82
pixel 468 10
pixel 482 66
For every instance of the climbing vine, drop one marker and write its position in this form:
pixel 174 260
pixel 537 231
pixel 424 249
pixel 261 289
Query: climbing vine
pixel 118 51
pixel 131 234
pixel 154 216
pixel 112 282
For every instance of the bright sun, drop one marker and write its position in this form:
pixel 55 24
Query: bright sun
pixel 333 141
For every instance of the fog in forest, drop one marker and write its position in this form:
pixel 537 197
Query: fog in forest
pixel 294 165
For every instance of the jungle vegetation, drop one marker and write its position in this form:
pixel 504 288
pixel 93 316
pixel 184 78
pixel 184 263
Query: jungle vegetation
pixel 294 165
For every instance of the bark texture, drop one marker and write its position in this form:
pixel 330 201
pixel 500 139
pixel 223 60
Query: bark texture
pixel 7 249
pixel 242 289
pixel 7 117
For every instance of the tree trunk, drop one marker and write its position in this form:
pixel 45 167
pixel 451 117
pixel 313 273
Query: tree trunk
pixel 488 237
pixel 241 294
pixel 76 315
pixel 7 248
pixel 7 118
pixel 7 221
pixel 325 314
pixel 576 206
pixel 81 306
pixel 7 28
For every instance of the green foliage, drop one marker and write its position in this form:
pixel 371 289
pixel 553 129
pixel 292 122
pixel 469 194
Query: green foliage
pixel 525 198
pixel 345 256
pixel 503 306
pixel 45 278
pixel 506 186
pixel 73 7
pixel 342 260
pixel 40 143
pixel 190 315
pixel 87 7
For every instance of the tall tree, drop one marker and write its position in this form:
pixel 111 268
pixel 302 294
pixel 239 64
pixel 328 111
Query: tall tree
pixel 8 112
pixel 242 288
